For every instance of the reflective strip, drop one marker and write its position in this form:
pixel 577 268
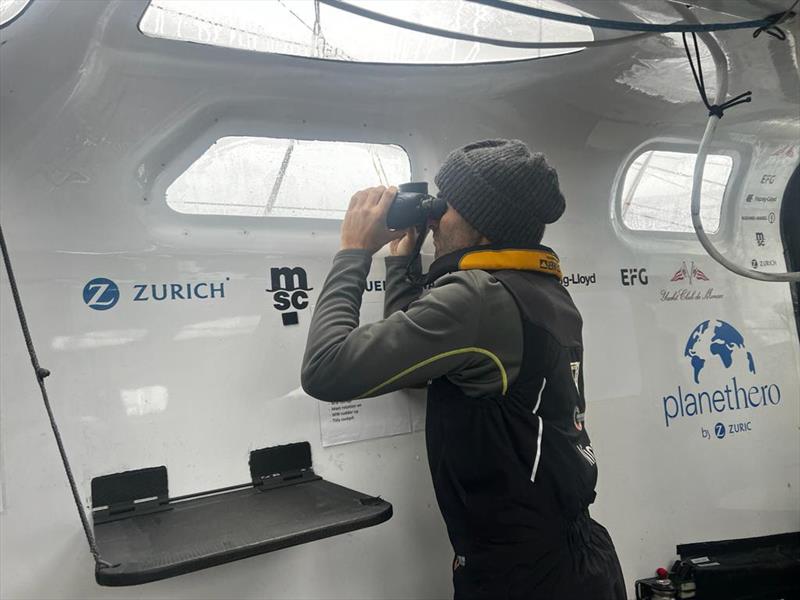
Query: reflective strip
pixel 427 361
pixel 539 401
pixel 538 450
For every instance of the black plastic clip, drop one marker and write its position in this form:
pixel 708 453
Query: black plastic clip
pixel 280 466
pixel 129 494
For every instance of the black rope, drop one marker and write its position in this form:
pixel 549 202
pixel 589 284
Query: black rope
pixel 713 109
pixel 766 24
pixel 773 29
pixel 41 374
pixel 467 37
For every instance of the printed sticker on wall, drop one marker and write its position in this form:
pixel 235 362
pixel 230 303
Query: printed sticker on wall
pixel 289 288
pixel 582 280
pixel 103 294
pixel 769 217
pixel 687 284
pixel 723 384
pixel 632 276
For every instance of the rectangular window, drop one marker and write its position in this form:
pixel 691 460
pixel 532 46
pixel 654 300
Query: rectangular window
pixel 276 177
pixel 308 28
pixel 656 194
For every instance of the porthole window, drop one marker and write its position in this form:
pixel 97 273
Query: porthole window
pixel 657 188
pixel 278 177
pixel 11 9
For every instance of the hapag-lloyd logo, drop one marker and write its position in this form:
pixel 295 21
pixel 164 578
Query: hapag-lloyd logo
pixel 689 275
pixel 713 347
pixel 583 279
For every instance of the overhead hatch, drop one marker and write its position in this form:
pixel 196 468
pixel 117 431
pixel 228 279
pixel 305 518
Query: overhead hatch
pixel 312 29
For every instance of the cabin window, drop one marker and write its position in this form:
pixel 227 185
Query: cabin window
pixel 657 188
pixel 299 28
pixel 278 177
pixel 11 9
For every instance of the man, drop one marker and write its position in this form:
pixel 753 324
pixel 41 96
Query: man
pixel 498 341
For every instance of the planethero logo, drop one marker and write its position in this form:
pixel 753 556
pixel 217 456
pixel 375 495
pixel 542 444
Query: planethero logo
pixel 289 290
pixel 714 347
pixel 100 293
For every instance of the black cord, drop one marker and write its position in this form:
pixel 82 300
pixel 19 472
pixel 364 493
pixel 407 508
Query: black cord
pixel 765 24
pixel 412 276
pixel 713 109
pixel 467 37
pixel 773 29
pixel 41 373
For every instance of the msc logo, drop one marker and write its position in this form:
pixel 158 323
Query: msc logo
pixel 289 290
pixel 100 293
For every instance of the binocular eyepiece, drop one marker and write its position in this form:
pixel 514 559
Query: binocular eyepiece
pixel 413 206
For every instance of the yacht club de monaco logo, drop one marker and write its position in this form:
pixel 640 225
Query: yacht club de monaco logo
pixel 721 380
pixel 102 293
pixel 688 283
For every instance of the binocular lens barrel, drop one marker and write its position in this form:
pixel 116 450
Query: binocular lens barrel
pixel 414 206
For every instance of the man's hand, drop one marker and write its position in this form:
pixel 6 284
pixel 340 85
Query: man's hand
pixel 405 245
pixel 364 226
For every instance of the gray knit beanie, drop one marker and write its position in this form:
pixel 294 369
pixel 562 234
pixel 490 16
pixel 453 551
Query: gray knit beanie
pixel 503 190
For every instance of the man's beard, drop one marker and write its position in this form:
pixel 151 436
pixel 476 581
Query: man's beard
pixel 444 247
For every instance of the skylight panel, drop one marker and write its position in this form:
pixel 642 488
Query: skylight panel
pixel 310 29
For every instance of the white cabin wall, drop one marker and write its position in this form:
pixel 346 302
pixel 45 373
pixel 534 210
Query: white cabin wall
pixel 84 147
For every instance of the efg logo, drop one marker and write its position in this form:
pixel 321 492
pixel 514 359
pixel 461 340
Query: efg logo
pixel 100 293
pixel 714 348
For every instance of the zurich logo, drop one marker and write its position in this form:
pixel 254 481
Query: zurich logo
pixel 100 293
pixel 716 341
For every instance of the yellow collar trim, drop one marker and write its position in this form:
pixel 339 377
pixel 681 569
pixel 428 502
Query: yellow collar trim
pixel 527 260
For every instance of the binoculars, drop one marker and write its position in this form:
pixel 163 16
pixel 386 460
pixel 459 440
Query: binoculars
pixel 413 206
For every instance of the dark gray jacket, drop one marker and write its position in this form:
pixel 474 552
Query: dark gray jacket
pixel 466 327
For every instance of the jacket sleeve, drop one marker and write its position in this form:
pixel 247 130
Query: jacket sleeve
pixel 435 336
pixel 400 292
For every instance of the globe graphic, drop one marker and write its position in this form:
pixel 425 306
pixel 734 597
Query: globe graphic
pixel 718 341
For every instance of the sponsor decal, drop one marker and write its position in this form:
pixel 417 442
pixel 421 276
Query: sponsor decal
pixel 102 293
pixel 714 349
pixel 763 263
pixel 760 239
pixel 769 218
pixel 289 292
pixel 633 275
pixel 767 178
pixel 752 198
pixel 691 275
pixel 588 453
pixel 784 151
pixel 375 285
pixel 548 264
pixel 582 279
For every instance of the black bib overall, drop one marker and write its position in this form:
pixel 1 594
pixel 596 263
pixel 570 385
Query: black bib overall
pixel 514 474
